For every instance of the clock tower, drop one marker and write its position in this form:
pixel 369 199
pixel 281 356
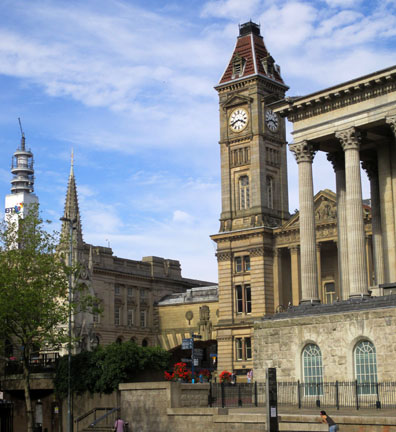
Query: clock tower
pixel 254 194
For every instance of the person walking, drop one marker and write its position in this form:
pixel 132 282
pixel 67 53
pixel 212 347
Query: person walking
pixel 119 425
pixel 249 376
pixel 333 427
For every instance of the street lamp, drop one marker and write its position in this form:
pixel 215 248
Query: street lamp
pixel 71 223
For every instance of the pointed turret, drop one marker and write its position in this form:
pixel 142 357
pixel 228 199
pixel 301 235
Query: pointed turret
pixel 72 212
pixel 250 57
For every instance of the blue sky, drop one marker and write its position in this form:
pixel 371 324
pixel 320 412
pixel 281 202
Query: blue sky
pixel 129 85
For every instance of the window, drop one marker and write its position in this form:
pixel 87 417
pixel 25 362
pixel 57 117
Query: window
pixel 244 193
pixel 270 192
pixel 248 348
pixel 117 290
pixel 144 343
pixel 143 293
pixel 239 348
pixel 143 319
pixel 243 296
pixel 366 367
pixel 239 299
pixel 329 290
pixel 248 299
pixel 117 314
pixel 312 370
pixel 130 292
pixel 238 264
pixel 130 317
pixel 242 264
pixel 238 65
pixel 243 348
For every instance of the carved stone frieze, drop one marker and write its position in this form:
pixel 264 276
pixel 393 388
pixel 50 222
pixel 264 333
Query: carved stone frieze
pixel 326 210
pixel 224 256
pixel 350 139
pixel 304 151
pixel 255 252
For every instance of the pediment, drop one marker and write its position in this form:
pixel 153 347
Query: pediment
pixel 234 100
pixel 325 204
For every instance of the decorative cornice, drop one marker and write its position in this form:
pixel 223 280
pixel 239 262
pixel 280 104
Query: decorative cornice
pixel 350 139
pixel 340 96
pixel 255 252
pixel 304 151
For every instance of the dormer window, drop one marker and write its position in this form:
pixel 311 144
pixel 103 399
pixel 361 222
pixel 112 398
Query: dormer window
pixel 268 65
pixel 238 66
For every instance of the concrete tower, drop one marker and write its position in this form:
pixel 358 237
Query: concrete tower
pixel 254 194
pixel 22 183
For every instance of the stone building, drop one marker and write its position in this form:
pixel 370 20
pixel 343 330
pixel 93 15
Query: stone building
pixel 127 290
pixel 353 339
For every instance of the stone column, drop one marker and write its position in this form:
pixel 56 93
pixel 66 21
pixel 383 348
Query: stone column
pixel 391 120
pixel 350 141
pixel 304 153
pixel 295 275
pixel 371 168
pixel 338 162
pixel 278 293
pixel 318 260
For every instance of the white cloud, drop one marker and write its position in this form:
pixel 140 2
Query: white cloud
pixel 179 216
pixel 230 9
pixel 343 3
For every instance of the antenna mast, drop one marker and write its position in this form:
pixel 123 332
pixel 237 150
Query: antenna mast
pixel 23 135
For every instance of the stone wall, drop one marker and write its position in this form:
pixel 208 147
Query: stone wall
pixel 279 342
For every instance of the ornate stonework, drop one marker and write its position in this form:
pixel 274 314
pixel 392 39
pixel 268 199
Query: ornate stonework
pixel 350 139
pixel 303 151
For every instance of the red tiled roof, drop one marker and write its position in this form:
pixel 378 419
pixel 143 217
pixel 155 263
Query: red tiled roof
pixel 251 47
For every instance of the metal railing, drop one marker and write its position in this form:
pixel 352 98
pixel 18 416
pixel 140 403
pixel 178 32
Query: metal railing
pixel 43 362
pixel 338 394
pixel 91 419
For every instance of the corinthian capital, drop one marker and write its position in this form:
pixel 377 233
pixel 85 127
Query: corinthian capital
pixel 303 151
pixel 350 138
pixel 392 123
pixel 337 159
pixel 371 168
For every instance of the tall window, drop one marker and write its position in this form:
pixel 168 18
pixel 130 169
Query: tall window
pixel 143 319
pixel 117 313
pixel 239 348
pixel 248 348
pixel 243 298
pixel 270 192
pixel 239 298
pixel 248 299
pixel 366 367
pixel 244 192
pixel 312 370
pixel 130 317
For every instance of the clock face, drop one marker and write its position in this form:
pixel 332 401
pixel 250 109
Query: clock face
pixel 238 120
pixel 271 120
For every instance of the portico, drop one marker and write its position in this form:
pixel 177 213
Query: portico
pixel 352 122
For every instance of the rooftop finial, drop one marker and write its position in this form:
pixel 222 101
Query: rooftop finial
pixel 22 135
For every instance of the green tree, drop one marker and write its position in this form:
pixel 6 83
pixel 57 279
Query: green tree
pixel 34 303
pixel 102 370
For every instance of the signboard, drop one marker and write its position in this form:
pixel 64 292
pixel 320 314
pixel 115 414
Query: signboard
pixel 186 360
pixel 198 353
pixel 196 362
pixel 187 344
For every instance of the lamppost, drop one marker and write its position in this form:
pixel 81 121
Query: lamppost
pixel 71 223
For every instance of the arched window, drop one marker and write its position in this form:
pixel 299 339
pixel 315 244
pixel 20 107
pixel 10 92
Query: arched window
pixel 119 340
pixel 144 343
pixel 312 370
pixel 270 192
pixel 366 367
pixel 244 192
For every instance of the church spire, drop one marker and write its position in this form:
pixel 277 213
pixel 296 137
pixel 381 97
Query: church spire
pixel 72 211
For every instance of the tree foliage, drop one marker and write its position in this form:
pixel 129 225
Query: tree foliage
pixel 102 370
pixel 34 305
